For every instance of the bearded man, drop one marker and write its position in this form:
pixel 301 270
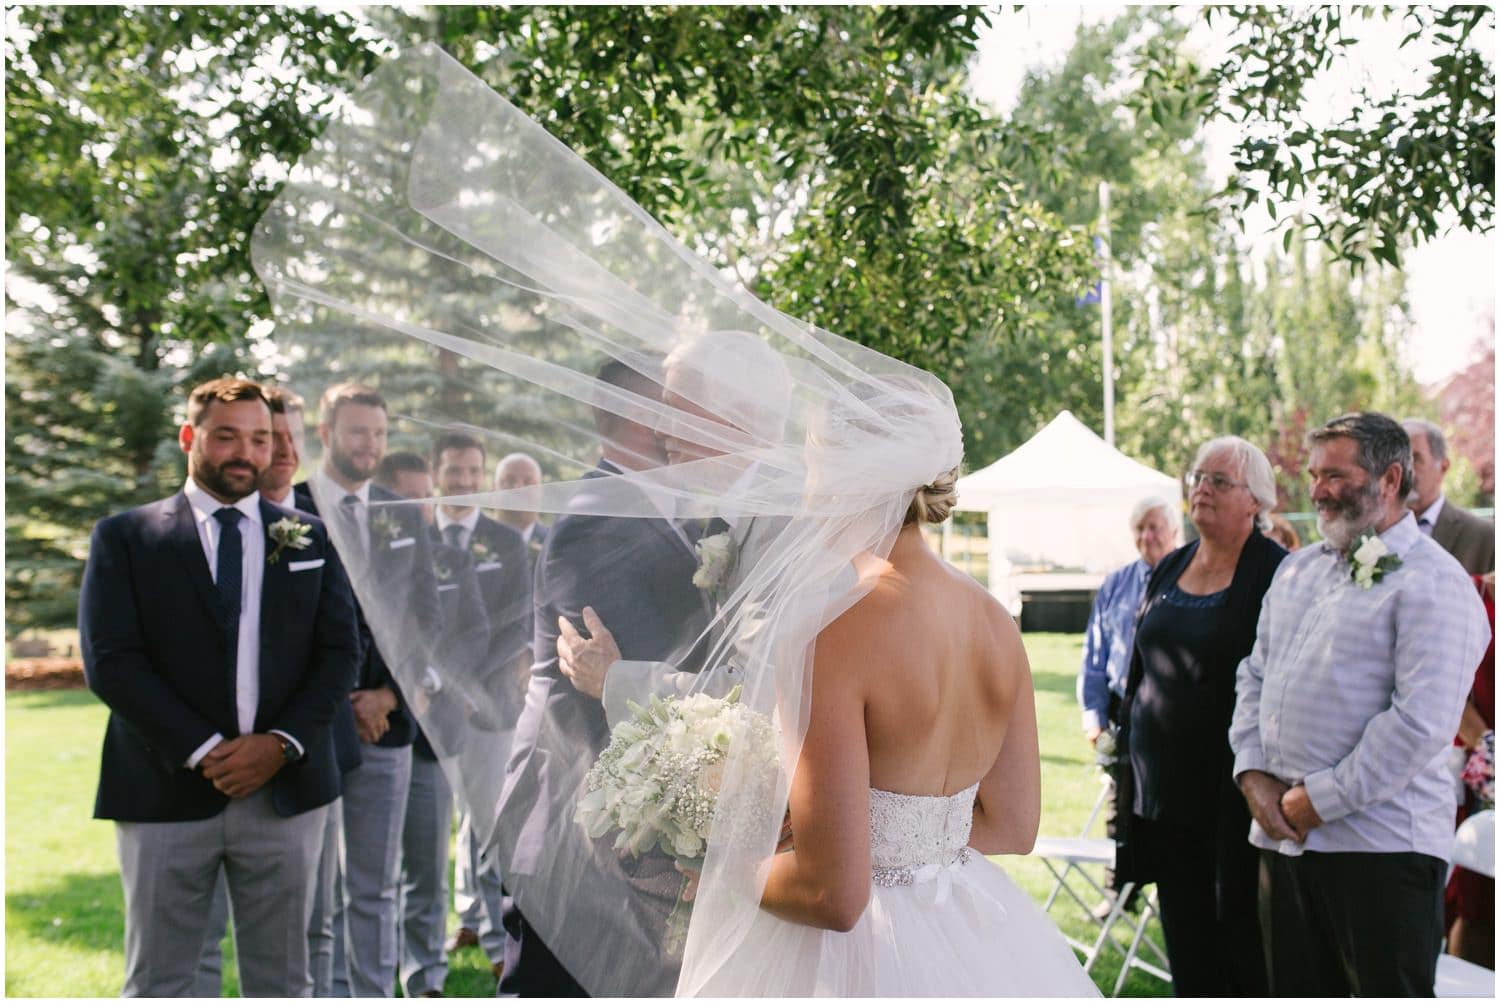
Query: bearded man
pixel 384 545
pixel 1344 712
pixel 219 629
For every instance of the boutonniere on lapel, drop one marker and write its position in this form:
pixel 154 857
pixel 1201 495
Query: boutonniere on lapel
pixel 289 534
pixel 480 550
pixel 384 527
pixel 1370 559
pixel 716 556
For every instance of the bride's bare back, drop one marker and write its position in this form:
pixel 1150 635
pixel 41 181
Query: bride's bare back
pixel 922 687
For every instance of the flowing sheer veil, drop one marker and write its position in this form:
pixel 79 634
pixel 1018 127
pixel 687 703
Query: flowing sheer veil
pixel 441 246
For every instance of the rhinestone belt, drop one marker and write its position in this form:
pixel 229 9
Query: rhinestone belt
pixel 893 877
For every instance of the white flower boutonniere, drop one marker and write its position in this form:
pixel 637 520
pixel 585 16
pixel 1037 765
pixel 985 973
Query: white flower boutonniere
pixel 1370 559
pixel 479 550
pixel 715 561
pixel 289 534
pixel 384 527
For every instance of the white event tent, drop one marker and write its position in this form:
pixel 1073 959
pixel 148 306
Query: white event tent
pixel 1059 509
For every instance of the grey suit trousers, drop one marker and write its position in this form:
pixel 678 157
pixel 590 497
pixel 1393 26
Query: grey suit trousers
pixel 424 878
pixel 320 939
pixel 169 869
pixel 365 953
pixel 210 979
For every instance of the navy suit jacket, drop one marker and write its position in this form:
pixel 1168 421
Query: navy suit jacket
pixel 156 650
pixel 501 567
pixel 412 611
pixel 637 575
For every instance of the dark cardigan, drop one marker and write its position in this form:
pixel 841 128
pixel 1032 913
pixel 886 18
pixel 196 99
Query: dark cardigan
pixel 1234 870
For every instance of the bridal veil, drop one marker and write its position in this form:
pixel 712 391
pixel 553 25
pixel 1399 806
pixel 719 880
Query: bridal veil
pixel 438 244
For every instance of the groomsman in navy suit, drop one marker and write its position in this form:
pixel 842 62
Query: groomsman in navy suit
pixel 498 555
pixel 219 629
pixel 391 566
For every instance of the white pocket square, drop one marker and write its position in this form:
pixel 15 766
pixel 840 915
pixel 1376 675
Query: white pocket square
pixel 405 541
pixel 294 566
pixel 489 566
pixel 446 588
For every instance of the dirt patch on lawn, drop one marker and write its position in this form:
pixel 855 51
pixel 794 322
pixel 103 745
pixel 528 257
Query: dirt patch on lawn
pixel 43 674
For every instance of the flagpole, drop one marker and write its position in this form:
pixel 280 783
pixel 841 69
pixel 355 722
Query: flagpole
pixel 1104 310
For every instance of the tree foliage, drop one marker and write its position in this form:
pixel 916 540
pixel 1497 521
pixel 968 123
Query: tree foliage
pixel 830 156
pixel 1398 168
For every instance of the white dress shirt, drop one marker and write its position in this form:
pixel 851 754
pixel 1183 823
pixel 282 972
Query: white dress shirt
pixel 468 522
pixel 252 569
pixel 1427 518
pixel 1357 694
pixel 324 486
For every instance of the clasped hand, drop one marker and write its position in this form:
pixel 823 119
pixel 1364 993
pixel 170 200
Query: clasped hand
pixel 586 660
pixel 1283 811
pixel 372 710
pixel 241 766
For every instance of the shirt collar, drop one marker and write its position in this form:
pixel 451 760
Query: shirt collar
pixel 1432 512
pixel 205 504
pixel 337 491
pixel 468 522
pixel 1401 536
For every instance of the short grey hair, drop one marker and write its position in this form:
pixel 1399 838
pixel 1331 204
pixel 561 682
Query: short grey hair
pixel 1380 440
pixel 1436 443
pixel 510 458
pixel 1253 468
pixel 1150 504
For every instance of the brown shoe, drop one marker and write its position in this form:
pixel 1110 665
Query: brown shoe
pixel 463 938
pixel 498 968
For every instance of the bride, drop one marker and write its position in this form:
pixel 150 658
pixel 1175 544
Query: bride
pixel 920 755
pixel 437 242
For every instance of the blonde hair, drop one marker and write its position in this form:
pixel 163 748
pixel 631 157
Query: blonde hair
pixel 934 502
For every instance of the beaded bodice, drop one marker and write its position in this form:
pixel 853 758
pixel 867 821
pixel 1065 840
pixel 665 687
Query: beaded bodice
pixel 912 831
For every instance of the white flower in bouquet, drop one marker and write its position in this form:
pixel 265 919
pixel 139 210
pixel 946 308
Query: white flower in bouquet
pixel 659 780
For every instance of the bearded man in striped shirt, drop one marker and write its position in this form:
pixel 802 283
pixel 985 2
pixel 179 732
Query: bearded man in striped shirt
pixel 1344 713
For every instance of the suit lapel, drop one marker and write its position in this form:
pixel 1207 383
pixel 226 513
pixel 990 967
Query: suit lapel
pixel 189 549
pixel 273 581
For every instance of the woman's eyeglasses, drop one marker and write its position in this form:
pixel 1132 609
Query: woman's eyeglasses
pixel 1216 481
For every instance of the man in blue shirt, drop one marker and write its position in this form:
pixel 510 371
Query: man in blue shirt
pixel 1111 630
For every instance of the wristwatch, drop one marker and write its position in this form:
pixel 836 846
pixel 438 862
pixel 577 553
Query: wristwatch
pixel 289 753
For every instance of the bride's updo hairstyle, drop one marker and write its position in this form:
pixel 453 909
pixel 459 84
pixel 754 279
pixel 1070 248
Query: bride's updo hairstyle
pixel 934 502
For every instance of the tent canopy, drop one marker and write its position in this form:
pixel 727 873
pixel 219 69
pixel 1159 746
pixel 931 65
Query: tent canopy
pixel 1062 501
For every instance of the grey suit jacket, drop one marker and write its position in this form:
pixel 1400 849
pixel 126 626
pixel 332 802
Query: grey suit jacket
pixel 1467 537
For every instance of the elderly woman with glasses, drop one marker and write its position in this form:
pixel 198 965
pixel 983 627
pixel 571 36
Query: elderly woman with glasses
pixel 1183 823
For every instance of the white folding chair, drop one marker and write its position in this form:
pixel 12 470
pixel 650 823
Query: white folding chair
pixel 1474 849
pixel 1067 858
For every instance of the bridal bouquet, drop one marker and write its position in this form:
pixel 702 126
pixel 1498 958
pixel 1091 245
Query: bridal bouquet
pixel 658 782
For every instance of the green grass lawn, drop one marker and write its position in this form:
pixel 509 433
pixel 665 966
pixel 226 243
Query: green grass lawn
pixel 64 913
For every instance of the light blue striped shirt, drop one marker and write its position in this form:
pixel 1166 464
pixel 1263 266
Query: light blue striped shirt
pixel 1357 693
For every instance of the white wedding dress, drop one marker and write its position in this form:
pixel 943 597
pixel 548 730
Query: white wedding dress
pixel 942 921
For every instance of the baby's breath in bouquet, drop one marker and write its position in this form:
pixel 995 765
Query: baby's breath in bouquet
pixel 659 780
